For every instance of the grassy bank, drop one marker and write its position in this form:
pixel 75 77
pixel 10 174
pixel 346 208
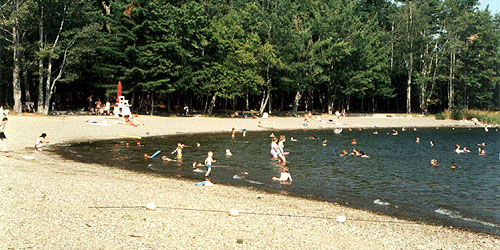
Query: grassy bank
pixel 488 117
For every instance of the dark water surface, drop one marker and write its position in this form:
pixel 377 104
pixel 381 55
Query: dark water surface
pixel 396 180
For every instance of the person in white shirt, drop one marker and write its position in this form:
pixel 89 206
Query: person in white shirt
pixel 285 177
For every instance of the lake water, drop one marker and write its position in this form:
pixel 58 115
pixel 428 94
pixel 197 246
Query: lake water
pixel 396 180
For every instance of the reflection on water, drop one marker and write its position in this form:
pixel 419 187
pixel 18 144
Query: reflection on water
pixel 397 179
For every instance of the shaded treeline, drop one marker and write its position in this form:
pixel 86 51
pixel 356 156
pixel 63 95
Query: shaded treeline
pixel 365 55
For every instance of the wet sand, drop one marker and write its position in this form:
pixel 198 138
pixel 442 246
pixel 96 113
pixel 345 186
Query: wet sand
pixel 54 203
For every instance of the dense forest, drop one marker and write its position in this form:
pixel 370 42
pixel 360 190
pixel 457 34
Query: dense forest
pixel 265 55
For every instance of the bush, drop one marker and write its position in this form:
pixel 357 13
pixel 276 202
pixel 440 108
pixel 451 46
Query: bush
pixel 458 114
pixel 441 116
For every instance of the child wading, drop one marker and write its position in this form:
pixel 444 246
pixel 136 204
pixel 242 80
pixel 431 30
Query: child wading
pixel 208 162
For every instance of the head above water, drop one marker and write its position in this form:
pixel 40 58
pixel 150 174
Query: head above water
pixel 210 153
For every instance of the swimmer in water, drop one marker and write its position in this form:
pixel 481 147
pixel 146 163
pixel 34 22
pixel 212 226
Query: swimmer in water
pixel 483 144
pixel 312 137
pixel 417 140
pixel 414 128
pixel 233 133
pixel 198 144
pixel 272 135
pixel 457 149
pixel 353 141
pixel 403 129
pixel 465 150
pixel 482 151
pixel 344 153
pixel 228 152
pixel 434 163
pixel 375 132
pixel 167 159
pixel 432 143
pixel 453 165
pixel 197 164
pixel 394 132
pixel 355 152
pixel 363 155
pixel 244 133
pixel 293 139
pixel 139 144
pixel 324 143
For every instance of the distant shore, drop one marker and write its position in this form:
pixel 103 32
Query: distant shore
pixel 50 202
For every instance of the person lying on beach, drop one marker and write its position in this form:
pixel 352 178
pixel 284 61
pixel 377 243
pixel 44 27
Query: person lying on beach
pixel 207 183
pixel 324 143
pixel 434 163
pixel 285 177
pixel 41 141
pixel 208 162
pixel 178 150
pixel 281 144
pixel 344 153
pixel 228 152
pixel 130 122
pixel 363 155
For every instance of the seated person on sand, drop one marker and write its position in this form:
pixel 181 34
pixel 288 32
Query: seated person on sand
pixel 285 177
pixel 40 142
pixel 337 114
pixel 434 163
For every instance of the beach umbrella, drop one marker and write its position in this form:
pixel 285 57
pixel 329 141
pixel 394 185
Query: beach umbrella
pixel 119 91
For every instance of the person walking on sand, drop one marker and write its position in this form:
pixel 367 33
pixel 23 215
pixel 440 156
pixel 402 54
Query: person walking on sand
pixel 208 162
pixel 3 138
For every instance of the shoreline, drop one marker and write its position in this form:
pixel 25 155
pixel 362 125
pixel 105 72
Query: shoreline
pixel 37 189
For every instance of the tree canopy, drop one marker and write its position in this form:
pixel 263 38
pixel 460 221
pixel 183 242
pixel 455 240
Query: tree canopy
pixel 364 55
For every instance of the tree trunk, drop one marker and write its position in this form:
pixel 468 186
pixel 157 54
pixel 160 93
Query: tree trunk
pixel 450 82
pixel 212 104
pixel 152 103
pixel 48 92
pixel 247 104
pixel 27 94
pixel 16 84
pixel 296 102
pixel 265 99
pixel 40 64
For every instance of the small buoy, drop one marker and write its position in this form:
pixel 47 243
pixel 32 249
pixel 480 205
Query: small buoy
pixel 341 219
pixel 233 212
pixel 151 206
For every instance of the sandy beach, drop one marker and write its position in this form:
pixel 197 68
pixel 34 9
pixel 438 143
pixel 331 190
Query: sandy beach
pixel 53 203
